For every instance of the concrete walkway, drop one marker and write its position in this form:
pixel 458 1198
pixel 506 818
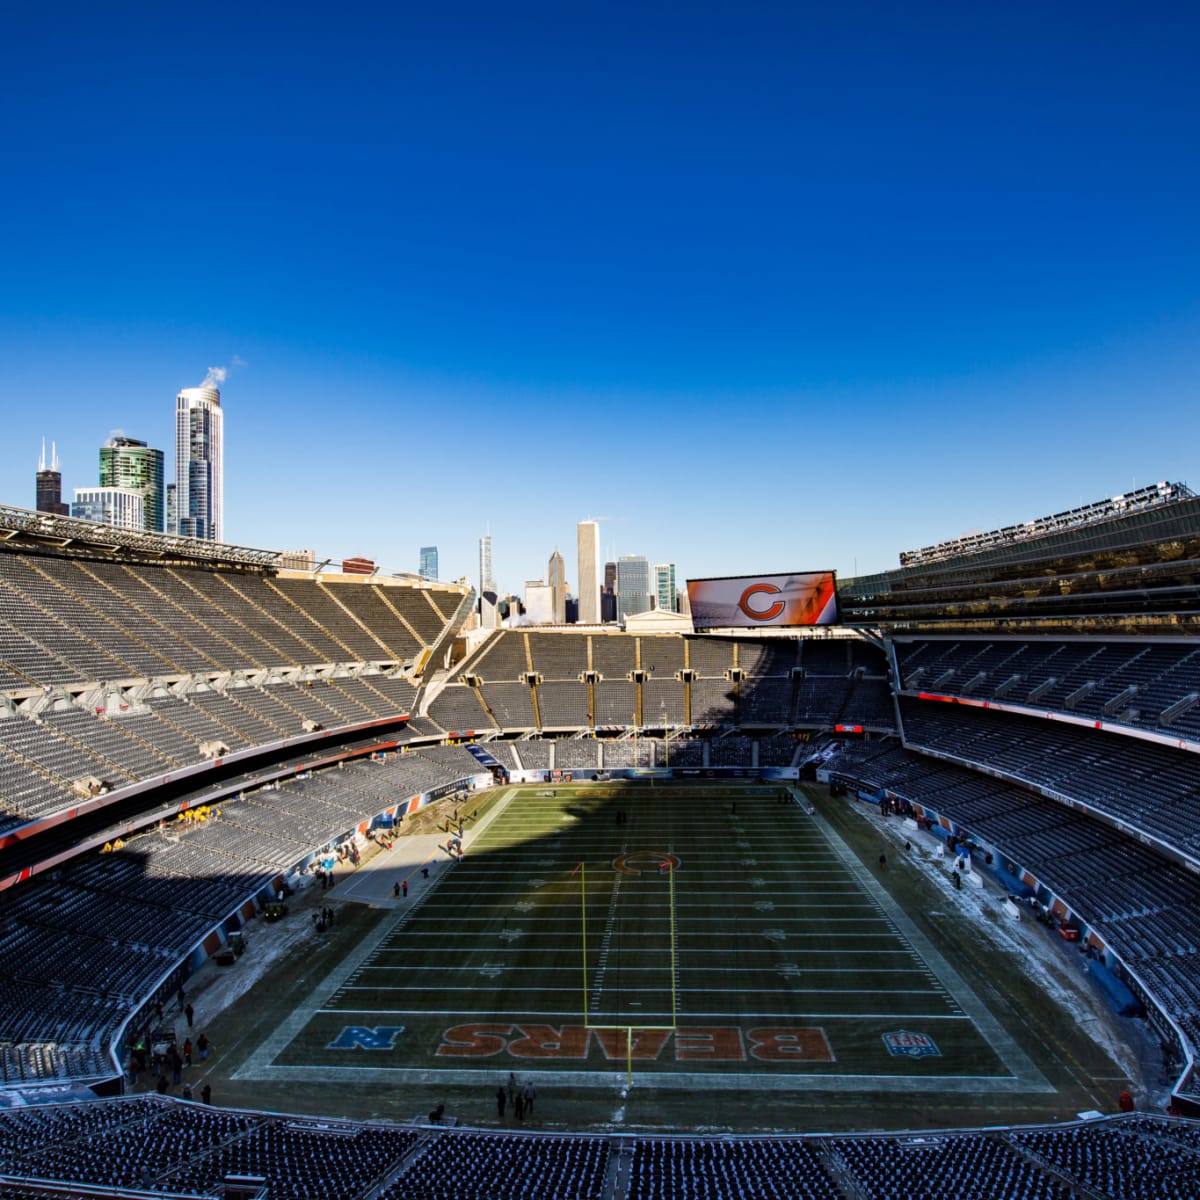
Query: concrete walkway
pixel 417 860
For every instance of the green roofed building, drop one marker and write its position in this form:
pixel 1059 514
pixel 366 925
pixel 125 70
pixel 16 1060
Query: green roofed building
pixel 128 463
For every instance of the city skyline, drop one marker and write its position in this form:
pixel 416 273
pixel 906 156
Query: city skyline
pixel 808 288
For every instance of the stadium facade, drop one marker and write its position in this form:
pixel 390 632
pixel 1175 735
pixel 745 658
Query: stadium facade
pixel 1033 695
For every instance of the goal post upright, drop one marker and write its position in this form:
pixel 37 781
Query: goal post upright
pixel 625 1026
pixel 671 950
pixel 583 937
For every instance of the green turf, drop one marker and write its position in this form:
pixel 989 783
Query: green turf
pixel 777 958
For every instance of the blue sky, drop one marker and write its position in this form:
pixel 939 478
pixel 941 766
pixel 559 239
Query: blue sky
pixel 770 286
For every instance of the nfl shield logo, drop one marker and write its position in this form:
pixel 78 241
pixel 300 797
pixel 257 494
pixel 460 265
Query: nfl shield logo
pixel 915 1045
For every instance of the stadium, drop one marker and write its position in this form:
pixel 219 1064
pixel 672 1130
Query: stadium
pixel 902 905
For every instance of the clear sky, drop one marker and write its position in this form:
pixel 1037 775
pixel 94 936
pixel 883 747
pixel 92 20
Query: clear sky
pixel 770 286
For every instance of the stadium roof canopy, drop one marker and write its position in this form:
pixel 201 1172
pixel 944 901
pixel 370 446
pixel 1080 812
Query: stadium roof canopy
pixel 23 526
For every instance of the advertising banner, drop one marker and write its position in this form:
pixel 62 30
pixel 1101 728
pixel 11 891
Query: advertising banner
pixel 756 601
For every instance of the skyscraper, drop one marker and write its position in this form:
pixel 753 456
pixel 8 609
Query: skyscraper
pixel 556 577
pixel 127 463
pixel 487 581
pixel 122 507
pixel 587 535
pixel 633 584
pixel 539 602
pixel 429 562
pixel 199 455
pixel 664 587
pixel 608 594
pixel 49 484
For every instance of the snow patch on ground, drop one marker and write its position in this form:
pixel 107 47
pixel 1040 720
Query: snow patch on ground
pixel 1044 962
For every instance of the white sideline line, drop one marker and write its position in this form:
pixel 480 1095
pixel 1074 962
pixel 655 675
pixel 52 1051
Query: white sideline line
pixel 576 1016
pixel 574 991
pixel 660 1080
pixel 724 952
pixel 442 935
pixel 475 968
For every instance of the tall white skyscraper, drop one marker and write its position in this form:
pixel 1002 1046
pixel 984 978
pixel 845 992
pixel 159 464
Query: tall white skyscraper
pixel 487 581
pixel 199 455
pixel 557 579
pixel 588 539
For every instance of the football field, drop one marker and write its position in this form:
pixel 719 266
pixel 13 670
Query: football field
pixel 678 937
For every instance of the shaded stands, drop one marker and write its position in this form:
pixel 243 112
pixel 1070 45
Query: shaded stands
pixel 301 1159
pixel 941 1167
pixel 565 705
pixel 710 656
pixel 821 701
pixel 558 655
pixel 731 751
pixel 81 953
pixel 767 1169
pixel 755 682
pixel 778 750
pixel 43 755
pixel 766 702
pixel 868 702
pixel 1124 682
pixel 166 1145
pixel 511 704
pixel 712 702
pixel 481 1166
pixel 773 656
pixel 1128 1161
pixel 459 707
pixel 1151 787
pixel 1141 905
pixel 685 752
pixel 181 1147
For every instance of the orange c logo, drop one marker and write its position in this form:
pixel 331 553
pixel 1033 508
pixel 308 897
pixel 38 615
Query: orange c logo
pixel 766 614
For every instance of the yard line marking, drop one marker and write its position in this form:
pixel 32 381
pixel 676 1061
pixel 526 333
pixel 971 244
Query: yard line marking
pixel 992 1032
